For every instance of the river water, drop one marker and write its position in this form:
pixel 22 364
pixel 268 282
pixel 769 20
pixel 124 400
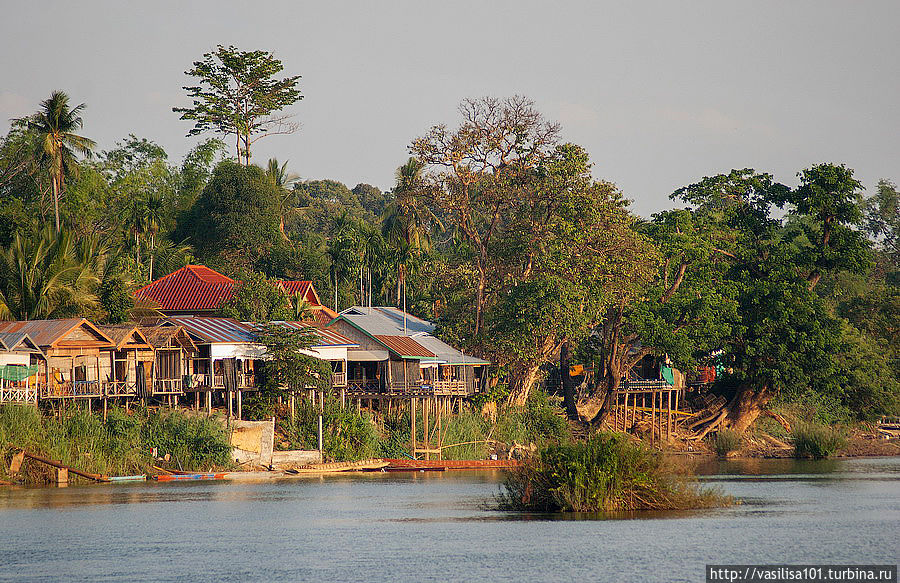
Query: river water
pixel 438 527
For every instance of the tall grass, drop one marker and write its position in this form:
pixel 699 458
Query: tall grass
pixel 816 441
pixel 726 441
pixel 122 444
pixel 346 434
pixel 605 473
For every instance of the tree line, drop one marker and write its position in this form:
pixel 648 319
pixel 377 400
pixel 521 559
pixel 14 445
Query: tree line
pixel 495 228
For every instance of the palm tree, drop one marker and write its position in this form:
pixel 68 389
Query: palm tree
pixel 55 124
pixel 48 276
pixel 405 220
pixel 406 223
pixel 285 183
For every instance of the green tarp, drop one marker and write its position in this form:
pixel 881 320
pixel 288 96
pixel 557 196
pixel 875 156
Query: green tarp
pixel 667 374
pixel 12 372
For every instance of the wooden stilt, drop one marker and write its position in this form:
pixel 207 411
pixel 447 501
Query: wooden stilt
pixel 412 424
pixel 240 400
pixel 425 444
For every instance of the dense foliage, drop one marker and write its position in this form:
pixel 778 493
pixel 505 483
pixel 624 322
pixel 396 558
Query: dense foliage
pixel 495 228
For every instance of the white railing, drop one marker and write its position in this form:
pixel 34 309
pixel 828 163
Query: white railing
pixel 18 394
pixel 121 389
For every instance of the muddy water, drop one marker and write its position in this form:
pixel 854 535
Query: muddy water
pixel 437 527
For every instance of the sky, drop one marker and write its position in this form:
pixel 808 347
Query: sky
pixel 660 94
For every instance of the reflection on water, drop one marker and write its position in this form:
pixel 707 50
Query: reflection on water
pixel 437 526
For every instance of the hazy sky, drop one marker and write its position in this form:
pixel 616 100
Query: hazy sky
pixel 660 93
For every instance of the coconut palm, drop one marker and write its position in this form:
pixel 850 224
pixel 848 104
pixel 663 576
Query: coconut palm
pixel 46 276
pixel 406 221
pixel 285 182
pixel 55 124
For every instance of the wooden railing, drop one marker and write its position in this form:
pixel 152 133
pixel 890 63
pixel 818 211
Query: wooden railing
pixel 72 389
pixel 18 394
pixel 456 387
pixel 339 379
pixel 168 387
pixel 121 389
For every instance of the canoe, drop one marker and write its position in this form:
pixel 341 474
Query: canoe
pixel 140 477
pixel 203 476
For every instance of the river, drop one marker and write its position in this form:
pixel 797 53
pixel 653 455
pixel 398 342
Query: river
pixel 438 527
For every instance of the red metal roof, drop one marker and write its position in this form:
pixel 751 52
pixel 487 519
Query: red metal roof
pixel 404 346
pixel 304 289
pixel 191 288
pixel 195 288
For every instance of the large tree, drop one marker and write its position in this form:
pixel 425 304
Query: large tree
pixel 479 171
pixel 238 94
pixel 235 216
pixel 55 125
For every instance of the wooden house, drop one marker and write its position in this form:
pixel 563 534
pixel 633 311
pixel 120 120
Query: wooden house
pixel 21 360
pixel 77 356
pixel 174 351
pixel 130 362
pixel 398 354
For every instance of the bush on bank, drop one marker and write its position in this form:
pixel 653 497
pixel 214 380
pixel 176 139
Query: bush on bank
pixel 603 474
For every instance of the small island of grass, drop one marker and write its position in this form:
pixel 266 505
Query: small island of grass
pixel 606 473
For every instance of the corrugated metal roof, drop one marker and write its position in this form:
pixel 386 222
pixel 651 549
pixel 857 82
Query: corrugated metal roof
pixel 49 332
pixel 121 333
pixel 191 288
pixel 165 336
pixel 326 337
pixel 388 321
pixel 404 346
pixel 18 342
pixel 209 330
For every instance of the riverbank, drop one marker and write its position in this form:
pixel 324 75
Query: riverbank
pixel 126 443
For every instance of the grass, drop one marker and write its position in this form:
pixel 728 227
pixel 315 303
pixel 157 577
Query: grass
pixel 726 441
pixel 346 434
pixel 603 474
pixel 816 441
pixel 121 445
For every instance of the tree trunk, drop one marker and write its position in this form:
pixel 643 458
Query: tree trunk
pixel 612 382
pixel 55 182
pixel 745 408
pixel 568 384
pixel 521 383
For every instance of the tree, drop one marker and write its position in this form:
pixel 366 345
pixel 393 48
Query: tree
pixel 284 182
pixel 480 170
pixel 239 95
pixel 237 213
pixel 288 365
pixel 882 218
pixel 258 299
pixel 48 276
pixel 55 124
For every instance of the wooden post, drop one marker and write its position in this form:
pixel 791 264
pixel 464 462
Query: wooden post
pixel 209 402
pixel 240 409
pixel 669 410
pixel 293 406
pixel 62 477
pixel 412 425
pixel 425 440
pixel 652 416
pixel 440 436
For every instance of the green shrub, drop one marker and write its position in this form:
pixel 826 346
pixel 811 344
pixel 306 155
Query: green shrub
pixel 605 473
pixel 118 446
pixel 812 440
pixel 726 441
pixel 347 435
